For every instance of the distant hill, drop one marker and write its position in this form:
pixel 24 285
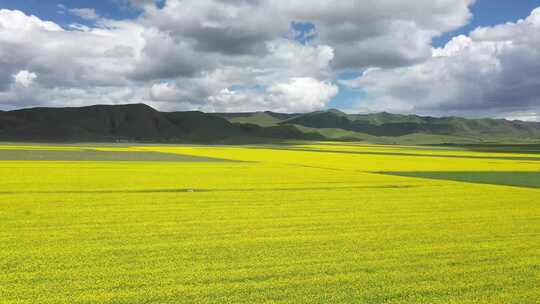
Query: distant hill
pixel 386 127
pixel 139 122
pixel 386 124
pixel 263 119
pixel 133 122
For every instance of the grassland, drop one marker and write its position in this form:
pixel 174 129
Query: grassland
pixel 304 223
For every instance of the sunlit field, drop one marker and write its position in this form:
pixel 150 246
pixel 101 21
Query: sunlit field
pixel 298 223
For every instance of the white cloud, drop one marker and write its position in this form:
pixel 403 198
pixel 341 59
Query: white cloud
pixel 144 59
pixel 524 116
pixel 362 33
pixel 18 21
pixel 237 100
pixel 24 78
pixel 295 95
pixel 169 92
pixel 85 13
pixel 491 72
pixel 302 94
pixel 235 55
pixel 252 83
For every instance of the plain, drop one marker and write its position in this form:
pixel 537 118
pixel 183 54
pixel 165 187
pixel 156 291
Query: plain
pixel 299 223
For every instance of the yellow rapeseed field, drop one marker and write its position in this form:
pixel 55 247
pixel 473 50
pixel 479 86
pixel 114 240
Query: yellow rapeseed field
pixel 300 223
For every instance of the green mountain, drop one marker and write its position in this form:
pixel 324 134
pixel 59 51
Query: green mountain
pixel 134 122
pixel 394 128
pixel 263 119
pixel 139 122
pixel 386 124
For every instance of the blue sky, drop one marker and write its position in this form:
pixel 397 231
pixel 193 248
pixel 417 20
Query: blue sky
pixel 48 9
pixel 171 70
pixel 492 12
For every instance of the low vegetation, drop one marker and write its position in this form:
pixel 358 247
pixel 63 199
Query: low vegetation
pixel 517 179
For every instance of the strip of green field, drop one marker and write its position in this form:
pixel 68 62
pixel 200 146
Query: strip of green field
pixel 516 179
pixel 96 155
pixel 524 158
pixel 498 148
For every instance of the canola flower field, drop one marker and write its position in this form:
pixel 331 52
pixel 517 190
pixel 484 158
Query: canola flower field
pixel 299 223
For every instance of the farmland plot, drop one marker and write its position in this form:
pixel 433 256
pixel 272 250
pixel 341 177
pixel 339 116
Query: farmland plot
pixel 305 223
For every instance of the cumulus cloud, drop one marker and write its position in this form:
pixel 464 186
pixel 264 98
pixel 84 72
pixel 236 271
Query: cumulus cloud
pixel 251 83
pixel 491 72
pixel 17 20
pixel 296 95
pixel 169 92
pixel 221 91
pixel 24 78
pixel 152 62
pixel 222 55
pixel 161 57
pixel 96 57
pixel 363 33
pixel 303 94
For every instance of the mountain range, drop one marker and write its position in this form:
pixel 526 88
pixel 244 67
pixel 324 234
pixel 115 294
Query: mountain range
pixel 140 122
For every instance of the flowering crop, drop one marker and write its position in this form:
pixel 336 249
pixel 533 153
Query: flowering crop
pixel 310 223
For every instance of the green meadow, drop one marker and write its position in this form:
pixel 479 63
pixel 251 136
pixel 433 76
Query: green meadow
pixel 301 223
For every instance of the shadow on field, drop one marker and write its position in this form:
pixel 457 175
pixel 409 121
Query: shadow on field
pixel 524 158
pixel 524 179
pixel 98 155
pixel 190 190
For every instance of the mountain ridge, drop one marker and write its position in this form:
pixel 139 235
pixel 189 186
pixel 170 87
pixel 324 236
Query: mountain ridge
pixel 140 122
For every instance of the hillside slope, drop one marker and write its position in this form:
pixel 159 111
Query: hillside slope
pixel 386 124
pixel 133 122
pixel 139 122
pixel 263 119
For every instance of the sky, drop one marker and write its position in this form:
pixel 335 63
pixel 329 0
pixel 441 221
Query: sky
pixel 447 57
